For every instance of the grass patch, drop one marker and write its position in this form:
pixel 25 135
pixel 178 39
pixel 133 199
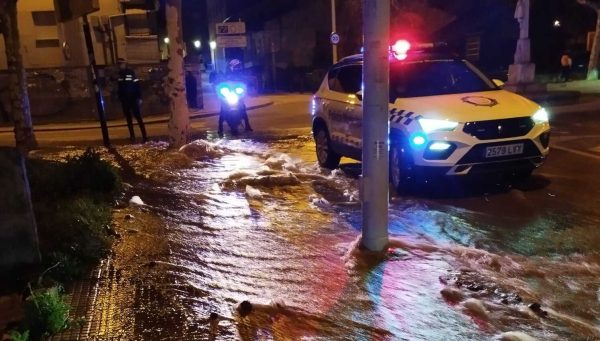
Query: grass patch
pixel 72 201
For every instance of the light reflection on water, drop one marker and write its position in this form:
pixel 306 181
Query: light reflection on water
pixel 280 246
pixel 289 244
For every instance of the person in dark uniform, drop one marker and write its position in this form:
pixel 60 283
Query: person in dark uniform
pixel 191 90
pixel 130 96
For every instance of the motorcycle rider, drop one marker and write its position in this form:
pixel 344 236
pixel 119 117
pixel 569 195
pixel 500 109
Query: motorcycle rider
pixel 234 74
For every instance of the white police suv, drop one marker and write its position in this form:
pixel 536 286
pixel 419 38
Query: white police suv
pixel 446 119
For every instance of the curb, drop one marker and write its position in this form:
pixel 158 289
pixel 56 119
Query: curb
pixel 89 126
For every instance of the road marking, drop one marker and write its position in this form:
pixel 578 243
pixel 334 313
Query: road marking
pixel 577 152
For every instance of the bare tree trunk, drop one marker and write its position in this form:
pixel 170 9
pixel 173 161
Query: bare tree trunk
pixel 19 98
pixel 179 123
pixel 593 66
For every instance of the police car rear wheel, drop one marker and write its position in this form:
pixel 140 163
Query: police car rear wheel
pixel 325 155
pixel 400 169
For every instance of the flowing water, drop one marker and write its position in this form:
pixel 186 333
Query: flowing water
pixel 258 220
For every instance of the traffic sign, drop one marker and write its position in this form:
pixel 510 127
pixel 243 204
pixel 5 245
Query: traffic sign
pixel 232 41
pixel 335 38
pixel 228 28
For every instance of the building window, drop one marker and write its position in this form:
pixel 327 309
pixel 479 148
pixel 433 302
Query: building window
pixel 42 43
pixel 44 18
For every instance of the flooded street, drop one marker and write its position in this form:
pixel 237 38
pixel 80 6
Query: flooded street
pixel 227 220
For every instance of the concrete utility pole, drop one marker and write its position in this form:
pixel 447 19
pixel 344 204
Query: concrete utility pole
pixel 334 30
pixel 521 74
pixel 375 167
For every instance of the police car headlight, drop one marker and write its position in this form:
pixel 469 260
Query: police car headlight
pixel 541 116
pixel 429 125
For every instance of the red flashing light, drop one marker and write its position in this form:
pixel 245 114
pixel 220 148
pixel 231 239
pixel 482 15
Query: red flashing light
pixel 400 49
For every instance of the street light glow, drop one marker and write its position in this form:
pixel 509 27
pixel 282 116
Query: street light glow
pixel 556 23
pixel 166 40
pixel 197 44
pixel 213 45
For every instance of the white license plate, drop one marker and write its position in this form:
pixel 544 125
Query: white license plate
pixel 509 149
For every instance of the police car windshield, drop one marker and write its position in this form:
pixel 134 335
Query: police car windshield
pixel 436 77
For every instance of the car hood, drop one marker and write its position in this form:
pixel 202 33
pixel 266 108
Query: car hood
pixel 468 107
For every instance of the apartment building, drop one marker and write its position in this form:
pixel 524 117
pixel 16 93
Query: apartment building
pixel 120 29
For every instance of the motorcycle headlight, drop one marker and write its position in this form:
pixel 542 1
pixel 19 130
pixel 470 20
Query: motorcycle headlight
pixel 430 125
pixel 540 116
pixel 224 91
pixel 232 99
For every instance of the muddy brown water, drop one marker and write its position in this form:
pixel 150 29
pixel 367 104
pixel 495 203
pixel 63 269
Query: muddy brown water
pixel 233 220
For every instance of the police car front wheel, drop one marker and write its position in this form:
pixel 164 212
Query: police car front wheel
pixel 400 168
pixel 326 156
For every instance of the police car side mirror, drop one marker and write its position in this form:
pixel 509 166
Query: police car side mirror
pixel 498 83
pixel 359 95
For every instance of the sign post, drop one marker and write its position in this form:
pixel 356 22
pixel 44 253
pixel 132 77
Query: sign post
pixel 94 73
pixel 375 167
pixel 230 35
pixel 72 9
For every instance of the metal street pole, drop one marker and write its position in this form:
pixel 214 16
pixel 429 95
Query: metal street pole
pixel 375 166
pixel 334 30
pixel 213 47
pixel 99 100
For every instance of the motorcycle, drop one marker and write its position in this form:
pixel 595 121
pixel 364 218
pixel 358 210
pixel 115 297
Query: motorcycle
pixel 233 109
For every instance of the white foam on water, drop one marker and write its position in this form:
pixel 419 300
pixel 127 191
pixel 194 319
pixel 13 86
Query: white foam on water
pixel 283 162
pixel 476 308
pixel 516 336
pixel 202 150
pixel 253 192
pixel 136 201
pixel 318 201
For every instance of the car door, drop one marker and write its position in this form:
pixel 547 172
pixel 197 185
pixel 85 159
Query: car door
pixel 334 105
pixel 350 80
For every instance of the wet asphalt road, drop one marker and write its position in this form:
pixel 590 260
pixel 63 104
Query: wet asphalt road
pixel 255 219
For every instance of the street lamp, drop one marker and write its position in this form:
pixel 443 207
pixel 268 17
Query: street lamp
pixel 556 23
pixel 197 44
pixel 166 40
pixel 213 47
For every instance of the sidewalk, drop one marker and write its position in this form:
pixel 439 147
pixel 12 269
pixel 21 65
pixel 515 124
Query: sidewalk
pixel 588 102
pixel 211 108
pixel 583 86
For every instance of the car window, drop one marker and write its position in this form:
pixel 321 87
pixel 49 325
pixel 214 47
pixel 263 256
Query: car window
pixel 432 78
pixel 347 79
pixel 334 84
pixel 350 78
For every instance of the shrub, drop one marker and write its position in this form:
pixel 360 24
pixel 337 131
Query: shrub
pixel 18 336
pixel 86 173
pixel 72 201
pixel 47 312
pixel 73 232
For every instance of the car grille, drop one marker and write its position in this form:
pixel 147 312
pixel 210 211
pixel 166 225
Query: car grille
pixel 499 129
pixel 477 153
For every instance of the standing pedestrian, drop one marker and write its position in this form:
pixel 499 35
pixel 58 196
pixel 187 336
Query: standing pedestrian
pixel 130 96
pixel 191 90
pixel 566 64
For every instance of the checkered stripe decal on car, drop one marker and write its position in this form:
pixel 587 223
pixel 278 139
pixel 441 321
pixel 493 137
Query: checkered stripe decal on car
pixel 403 116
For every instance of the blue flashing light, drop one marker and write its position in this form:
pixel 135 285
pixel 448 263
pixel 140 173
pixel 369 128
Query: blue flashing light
pixel 418 140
